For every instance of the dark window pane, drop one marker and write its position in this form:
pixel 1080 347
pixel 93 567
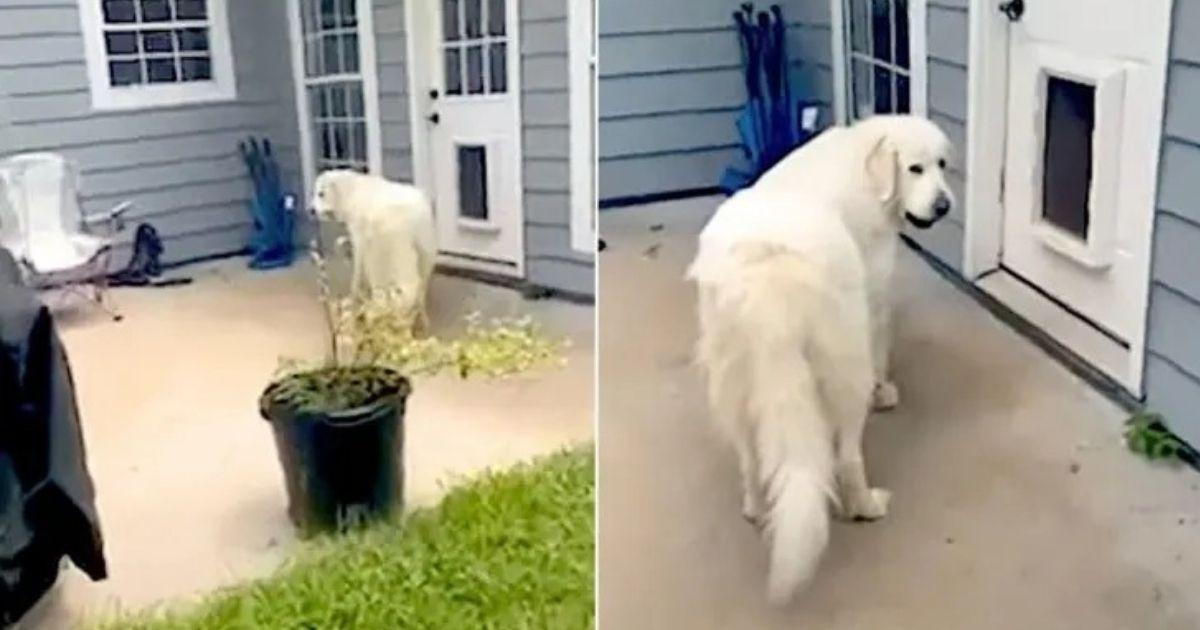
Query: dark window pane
pixel 325 134
pixel 475 70
pixel 450 26
pixel 496 17
pixel 156 11
pixel 337 101
pixel 119 11
pixel 158 41
pixel 193 39
pixel 472 182
pixel 350 53
pixel 331 49
pixel 125 73
pixel 349 17
pixel 191 9
pixel 196 68
pixel 329 14
pixel 453 71
pixel 121 43
pixel 473 18
pixel 341 141
pixel 161 70
pixel 881 30
pixel 359 140
pixel 354 90
pixel 1067 174
pixel 883 91
pixel 319 102
pixel 859 39
pixel 498 68
pixel 903 95
pixel 902 33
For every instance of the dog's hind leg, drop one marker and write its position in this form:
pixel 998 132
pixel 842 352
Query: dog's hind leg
pixel 727 391
pixel 846 377
pixel 885 395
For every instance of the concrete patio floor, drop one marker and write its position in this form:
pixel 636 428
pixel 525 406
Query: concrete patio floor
pixel 190 492
pixel 1015 506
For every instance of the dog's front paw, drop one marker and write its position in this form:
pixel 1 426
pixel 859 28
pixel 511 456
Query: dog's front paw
pixel 870 507
pixel 886 396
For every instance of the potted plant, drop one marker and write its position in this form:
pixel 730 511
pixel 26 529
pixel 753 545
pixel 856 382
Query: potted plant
pixel 339 424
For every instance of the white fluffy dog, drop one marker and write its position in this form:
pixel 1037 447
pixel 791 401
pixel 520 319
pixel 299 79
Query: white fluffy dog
pixel 391 231
pixel 795 323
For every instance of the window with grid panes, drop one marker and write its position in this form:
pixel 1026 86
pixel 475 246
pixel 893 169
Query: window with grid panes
pixel 879 67
pixel 157 52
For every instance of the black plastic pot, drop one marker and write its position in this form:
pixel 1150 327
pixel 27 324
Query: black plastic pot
pixel 341 468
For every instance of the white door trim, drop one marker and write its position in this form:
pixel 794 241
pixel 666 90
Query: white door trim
pixel 420 81
pixel 837 31
pixel 369 70
pixel 987 102
pixel 581 54
pixel 918 59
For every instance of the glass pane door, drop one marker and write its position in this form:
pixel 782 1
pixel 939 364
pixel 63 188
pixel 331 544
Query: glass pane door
pixel 878 64
pixel 333 84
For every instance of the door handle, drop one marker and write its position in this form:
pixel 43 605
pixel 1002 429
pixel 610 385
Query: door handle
pixel 1013 9
pixel 434 94
pixel 435 118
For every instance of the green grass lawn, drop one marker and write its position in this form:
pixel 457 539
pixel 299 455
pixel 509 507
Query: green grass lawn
pixel 508 550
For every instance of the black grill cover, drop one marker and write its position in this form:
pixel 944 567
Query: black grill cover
pixel 47 501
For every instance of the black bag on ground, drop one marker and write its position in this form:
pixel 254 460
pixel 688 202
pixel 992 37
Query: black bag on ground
pixel 146 263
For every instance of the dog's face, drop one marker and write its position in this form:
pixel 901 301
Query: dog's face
pixel 326 188
pixel 908 167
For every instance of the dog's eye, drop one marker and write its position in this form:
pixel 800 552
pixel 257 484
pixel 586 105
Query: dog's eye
pixel 916 169
pixel 942 164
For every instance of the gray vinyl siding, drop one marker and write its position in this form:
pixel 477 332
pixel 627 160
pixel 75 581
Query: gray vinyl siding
pixel 671 88
pixel 545 106
pixel 179 165
pixel 1172 377
pixel 947 33
pixel 391 47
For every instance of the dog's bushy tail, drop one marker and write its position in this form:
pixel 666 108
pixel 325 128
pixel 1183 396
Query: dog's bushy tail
pixel 796 469
pixel 775 305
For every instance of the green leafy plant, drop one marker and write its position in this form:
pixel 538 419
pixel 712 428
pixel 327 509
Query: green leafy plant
pixel 1147 435
pixel 372 339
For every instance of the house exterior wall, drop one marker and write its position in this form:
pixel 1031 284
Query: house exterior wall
pixel 1172 377
pixel 549 259
pixel 671 86
pixel 947 29
pixel 180 164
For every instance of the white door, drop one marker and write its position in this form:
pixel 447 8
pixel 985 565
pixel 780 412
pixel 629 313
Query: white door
pixel 1085 90
pixel 474 134
pixel 337 100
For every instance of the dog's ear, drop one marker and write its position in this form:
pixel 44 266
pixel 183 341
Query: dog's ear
pixel 881 168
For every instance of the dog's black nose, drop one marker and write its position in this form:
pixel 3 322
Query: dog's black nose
pixel 941 205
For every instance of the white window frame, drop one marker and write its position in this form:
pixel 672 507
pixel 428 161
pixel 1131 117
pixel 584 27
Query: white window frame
pixel 843 55
pixel 582 73
pixel 222 86
pixel 368 74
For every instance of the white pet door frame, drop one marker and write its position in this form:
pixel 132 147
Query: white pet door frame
pixel 1067 247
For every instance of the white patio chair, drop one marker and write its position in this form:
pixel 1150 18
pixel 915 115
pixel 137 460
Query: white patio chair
pixel 43 225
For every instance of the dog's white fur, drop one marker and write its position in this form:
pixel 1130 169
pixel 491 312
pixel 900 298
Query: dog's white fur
pixel 391 230
pixel 794 308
